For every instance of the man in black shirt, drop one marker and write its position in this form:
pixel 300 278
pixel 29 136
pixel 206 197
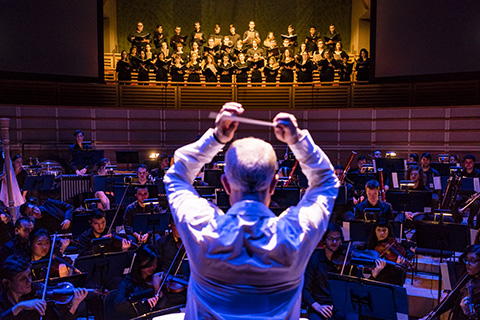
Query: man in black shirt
pixel 332 37
pixel 197 36
pixel 425 161
pixel 316 292
pixel 97 230
pixel 372 188
pixel 18 245
pixel 163 162
pixel 53 215
pixel 137 207
pixel 139 38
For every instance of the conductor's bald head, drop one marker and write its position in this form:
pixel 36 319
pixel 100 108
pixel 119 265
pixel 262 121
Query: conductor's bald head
pixel 250 165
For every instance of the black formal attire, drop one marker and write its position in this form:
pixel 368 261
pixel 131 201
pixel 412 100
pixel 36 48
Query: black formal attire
pixel 177 73
pixel 139 36
pixel 124 69
pixel 339 56
pixel 17 246
pixel 257 50
pixel 130 212
pixel 327 71
pixel 158 38
pixel 85 247
pixel 242 71
pixel 161 69
pixel 198 37
pixel 72 150
pixel 143 67
pixel 225 72
pixel 363 69
pixel 194 75
pixel 7 232
pixel 304 73
pixel 234 38
pixel 312 42
pixel 286 75
pixel 158 173
pixel 315 286
pixel 210 75
pixel 429 174
pixel 21 176
pixel 217 38
pixel 167 247
pixel 123 309
pixel 344 211
pixel 176 39
pixel 335 37
pixel 270 74
pixel 54 212
pixel 386 211
pixel 345 71
pixel 256 75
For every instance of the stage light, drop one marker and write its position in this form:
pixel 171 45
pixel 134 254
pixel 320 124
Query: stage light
pixel 154 155
pixel 390 154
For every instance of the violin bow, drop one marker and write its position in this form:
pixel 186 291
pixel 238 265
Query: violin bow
pixel 168 271
pixel 44 293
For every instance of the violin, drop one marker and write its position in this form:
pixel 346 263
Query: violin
pixel 60 294
pixel 391 250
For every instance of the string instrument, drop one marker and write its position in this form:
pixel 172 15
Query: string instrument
pixel 60 294
pixel 347 167
pixel 115 239
pixel 449 300
pixel 391 250
pixel 366 258
pixel 289 181
pixel 382 184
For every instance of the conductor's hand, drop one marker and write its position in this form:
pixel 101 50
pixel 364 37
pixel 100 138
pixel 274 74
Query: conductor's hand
pixel 286 128
pixel 323 309
pixel 225 126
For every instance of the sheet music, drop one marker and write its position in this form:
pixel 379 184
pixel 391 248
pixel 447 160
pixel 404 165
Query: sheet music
pixel 476 184
pixel 437 183
pixel 346 230
pixel 395 180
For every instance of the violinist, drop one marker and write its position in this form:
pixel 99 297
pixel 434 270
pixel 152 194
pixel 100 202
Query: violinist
pixel 316 292
pixel 383 241
pixel 19 244
pixel 142 278
pixel 97 230
pixel 18 302
pixel 167 247
pixel 372 188
pixel 39 249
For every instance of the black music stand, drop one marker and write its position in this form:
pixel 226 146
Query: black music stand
pixel 442 236
pixel 212 177
pixel 360 230
pixel 286 196
pixel 130 195
pixel 105 270
pixel 80 221
pixel 104 183
pixel 342 197
pixel 410 200
pixel 87 158
pixel 144 222
pixel 357 298
pixel 127 157
pixel 39 183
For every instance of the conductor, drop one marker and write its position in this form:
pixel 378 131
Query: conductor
pixel 247 262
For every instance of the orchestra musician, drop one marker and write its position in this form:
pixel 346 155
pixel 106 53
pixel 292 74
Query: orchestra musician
pixel 372 189
pixel 39 249
pixel 101 170
pixel 248 262
pixel 137 207
pixel 380 240
pixel 167 247
pixel 97 230
pixel 17 300
pixel 142 278
pixel 425 161
pixel 20 173
pixel 19 244
pixel 74 148
pixel 53 215
pixel 469 171
pixel 316 291
pixel 344 211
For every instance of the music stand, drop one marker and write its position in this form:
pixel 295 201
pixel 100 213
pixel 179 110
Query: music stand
pixel 222 199
pixel 354 296
pixel 127 157
pixel 80 221
pixel 442 236
pixel 105 270
pixel 390 165
pixel 104 183
pixel 286 197
pixel 360 230
pixel 87 158
pixel 39 183
pixel 411 200
pixel 145 222
pixel 342 197
pixel 212 177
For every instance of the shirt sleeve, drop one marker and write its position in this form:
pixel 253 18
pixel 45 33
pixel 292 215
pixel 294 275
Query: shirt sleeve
pixel 186 205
